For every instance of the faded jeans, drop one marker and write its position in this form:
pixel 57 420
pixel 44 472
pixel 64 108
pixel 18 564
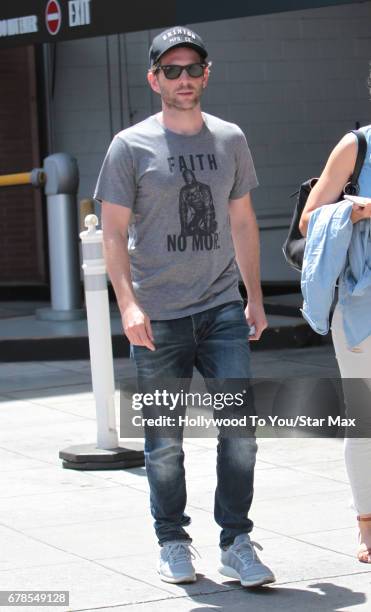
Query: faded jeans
pixel 214 341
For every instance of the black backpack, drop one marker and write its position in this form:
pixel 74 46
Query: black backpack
pixel 294 245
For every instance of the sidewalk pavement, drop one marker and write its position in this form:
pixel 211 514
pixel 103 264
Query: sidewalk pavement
pixel 91 532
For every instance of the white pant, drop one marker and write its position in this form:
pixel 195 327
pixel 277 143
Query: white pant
pixel 355 363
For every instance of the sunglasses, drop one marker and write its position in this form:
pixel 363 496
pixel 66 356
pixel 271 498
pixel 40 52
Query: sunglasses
pixel 173 71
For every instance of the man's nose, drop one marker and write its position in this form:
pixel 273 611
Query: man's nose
pixel 184 75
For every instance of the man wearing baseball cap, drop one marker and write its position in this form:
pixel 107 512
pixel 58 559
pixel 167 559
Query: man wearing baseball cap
pixel 177 215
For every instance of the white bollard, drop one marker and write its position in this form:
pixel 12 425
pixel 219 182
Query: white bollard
pixel 106 454
pixel 99 329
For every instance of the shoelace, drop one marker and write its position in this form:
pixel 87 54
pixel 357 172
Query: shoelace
pixel 179 552
pixel 246 552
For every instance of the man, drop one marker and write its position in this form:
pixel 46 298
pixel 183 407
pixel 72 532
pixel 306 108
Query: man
pixel 175 200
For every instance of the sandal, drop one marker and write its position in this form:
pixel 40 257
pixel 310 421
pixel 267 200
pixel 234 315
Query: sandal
pixel 364 554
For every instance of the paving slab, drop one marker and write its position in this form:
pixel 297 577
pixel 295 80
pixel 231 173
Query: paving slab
pixel 270 484
pixel 11 461
pixel 333 594
pixel 91 586
pixel 72 506
pixel 134 478
pixel 46 480
pixel 299 451
pixel 56 392
pixel 52 379
pixel 18 550
pixel 342 541
pixel 66 431
pixel 332 470
pixel 21 415
pixel 295 515
pixel 97 539
pixel 29 369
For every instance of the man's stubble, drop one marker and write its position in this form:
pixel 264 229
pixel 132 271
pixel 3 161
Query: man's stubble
pixel 173 101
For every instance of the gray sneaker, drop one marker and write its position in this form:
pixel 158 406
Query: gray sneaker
pixel 240 561
pixel 175 562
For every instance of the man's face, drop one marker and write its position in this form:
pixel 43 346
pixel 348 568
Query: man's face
pixel 185 92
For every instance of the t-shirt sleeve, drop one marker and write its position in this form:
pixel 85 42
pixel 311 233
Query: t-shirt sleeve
pixel 116 180
pixel 245 175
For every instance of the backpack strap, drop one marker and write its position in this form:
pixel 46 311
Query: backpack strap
pixel 362 148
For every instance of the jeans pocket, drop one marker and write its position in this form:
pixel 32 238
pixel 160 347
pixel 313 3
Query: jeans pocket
pixel 233 311
pixel 234 314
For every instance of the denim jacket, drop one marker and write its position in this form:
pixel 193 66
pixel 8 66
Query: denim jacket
pixel 337 249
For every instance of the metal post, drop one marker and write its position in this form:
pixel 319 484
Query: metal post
pixel 106 453
pixel 61 185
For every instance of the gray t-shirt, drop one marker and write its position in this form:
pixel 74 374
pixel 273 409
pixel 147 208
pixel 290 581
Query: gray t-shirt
pixel 178 188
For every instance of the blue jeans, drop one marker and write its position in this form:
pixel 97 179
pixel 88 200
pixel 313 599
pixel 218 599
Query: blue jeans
pixel 216 343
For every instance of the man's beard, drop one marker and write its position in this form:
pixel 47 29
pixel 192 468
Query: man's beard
pixel 171 100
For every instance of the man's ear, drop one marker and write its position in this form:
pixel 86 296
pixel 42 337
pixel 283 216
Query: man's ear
pixel 152 80
pixel 206 76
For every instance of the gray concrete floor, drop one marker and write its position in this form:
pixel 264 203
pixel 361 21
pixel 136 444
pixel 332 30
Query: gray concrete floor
pixel 91 532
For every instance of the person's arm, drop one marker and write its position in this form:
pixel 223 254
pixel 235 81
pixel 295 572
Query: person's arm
pixel 338 169
pixel 245 235
pixel 136 323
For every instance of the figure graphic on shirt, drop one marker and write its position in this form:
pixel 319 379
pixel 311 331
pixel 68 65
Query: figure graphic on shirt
pixel 196 207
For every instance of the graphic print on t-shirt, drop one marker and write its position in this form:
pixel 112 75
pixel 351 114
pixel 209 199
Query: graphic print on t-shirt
pixel 197 217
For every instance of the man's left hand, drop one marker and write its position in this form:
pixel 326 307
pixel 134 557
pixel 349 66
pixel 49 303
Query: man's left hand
pixel 255 316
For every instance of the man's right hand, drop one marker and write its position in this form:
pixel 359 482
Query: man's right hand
pixel 137 326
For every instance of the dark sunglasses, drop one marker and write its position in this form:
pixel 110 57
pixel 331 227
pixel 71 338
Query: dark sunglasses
pixel 173 71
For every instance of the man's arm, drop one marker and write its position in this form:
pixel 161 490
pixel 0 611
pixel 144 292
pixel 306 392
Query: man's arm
pixel 245 234
pixel 136 324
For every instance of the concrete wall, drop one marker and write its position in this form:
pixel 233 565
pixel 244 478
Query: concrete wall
pixel 294 82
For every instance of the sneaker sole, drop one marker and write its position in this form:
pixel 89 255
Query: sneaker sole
pixel 182 579
pixel 226 570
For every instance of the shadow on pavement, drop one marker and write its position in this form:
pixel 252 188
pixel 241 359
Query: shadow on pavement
pixel 327 598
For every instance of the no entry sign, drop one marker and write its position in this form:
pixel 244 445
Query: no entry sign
pixel 53 17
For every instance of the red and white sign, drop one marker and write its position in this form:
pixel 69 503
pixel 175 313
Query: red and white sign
pixel 53 17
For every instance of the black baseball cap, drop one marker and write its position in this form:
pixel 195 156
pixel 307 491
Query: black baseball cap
pixel 178 36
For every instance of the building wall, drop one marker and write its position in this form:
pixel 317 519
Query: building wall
pixel 294 82
pixel 22 255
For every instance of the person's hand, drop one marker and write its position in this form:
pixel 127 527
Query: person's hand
pixel 256 318
pixel 137 326
pixel 360 212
